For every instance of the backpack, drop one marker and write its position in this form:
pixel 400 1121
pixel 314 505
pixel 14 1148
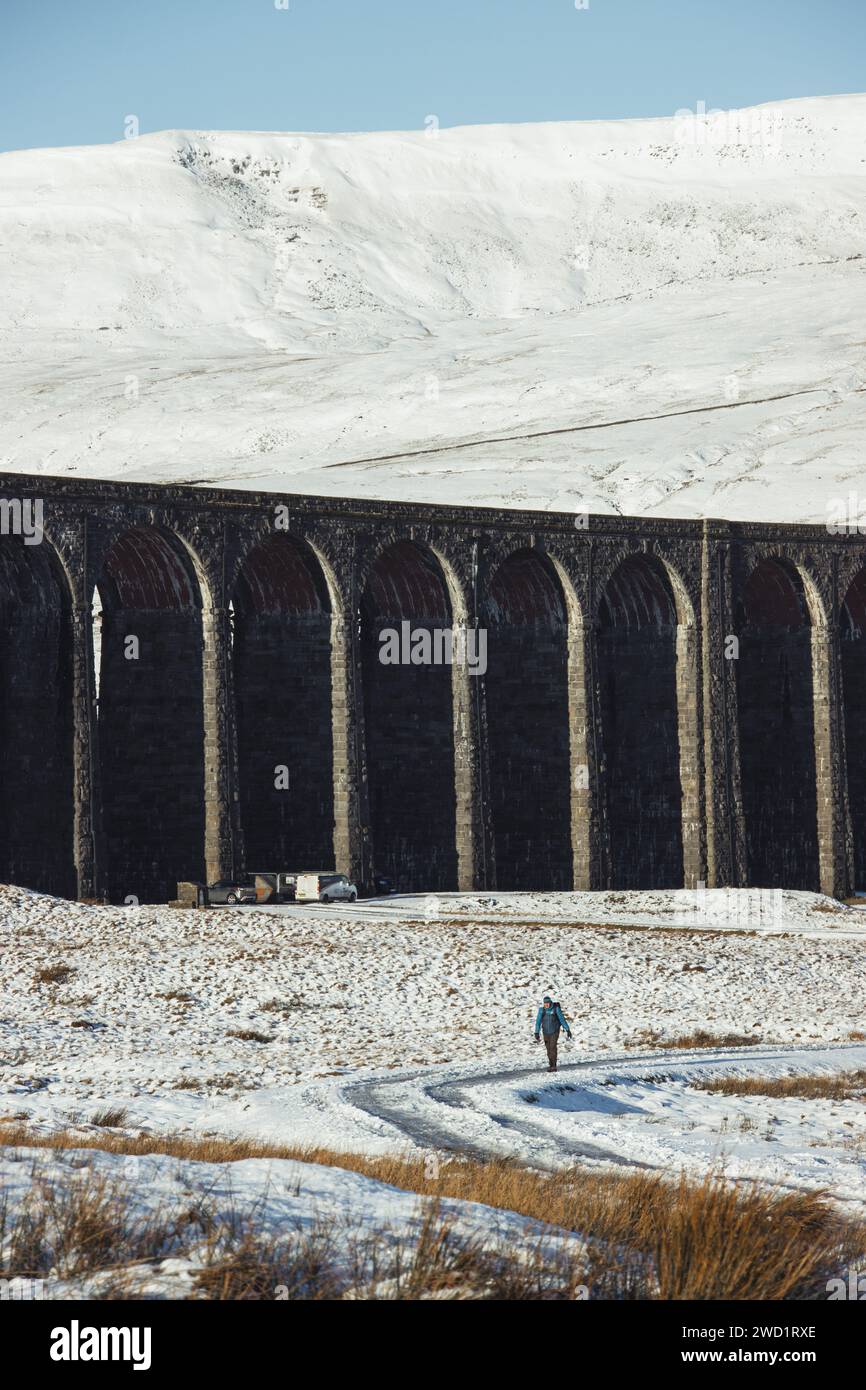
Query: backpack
pixel 553 1008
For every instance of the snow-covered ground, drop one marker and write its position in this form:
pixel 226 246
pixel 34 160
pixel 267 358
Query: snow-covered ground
pixel 407 1024
pixel 703 909
pixel 646 316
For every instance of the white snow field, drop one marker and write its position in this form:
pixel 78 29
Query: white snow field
pixel 407 1026
pixel 647 316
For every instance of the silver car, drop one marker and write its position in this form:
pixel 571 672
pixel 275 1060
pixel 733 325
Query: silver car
pixel 231 891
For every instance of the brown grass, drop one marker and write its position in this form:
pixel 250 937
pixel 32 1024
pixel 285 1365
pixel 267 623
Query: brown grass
pixel 250 1035
pixel 110 1118
pixel 611 928
pixel 54 974
pixel 75 1227
pixel 81 1227
pixel 351 1262
pixel 284 1006
pixel 651 1237
pixel 297 1267
pixel 850 1085
pixel 699 1038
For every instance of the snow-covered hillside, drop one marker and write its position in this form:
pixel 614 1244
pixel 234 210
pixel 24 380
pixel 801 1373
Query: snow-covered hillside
pixel 647 316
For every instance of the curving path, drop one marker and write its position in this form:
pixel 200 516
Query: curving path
pixel 430 1127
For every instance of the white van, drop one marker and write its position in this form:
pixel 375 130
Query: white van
pixel 325 888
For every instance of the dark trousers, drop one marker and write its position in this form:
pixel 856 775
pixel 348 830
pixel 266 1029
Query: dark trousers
pixel 551 1042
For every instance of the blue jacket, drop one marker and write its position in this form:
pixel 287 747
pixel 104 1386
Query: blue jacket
pixel 553 1021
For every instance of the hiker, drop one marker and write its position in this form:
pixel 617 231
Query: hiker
pixel 549 1020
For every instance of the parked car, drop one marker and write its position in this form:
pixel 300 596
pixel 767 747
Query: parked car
pixel 379 886
pixel 325 888
pixel 231 891
pixel 273 887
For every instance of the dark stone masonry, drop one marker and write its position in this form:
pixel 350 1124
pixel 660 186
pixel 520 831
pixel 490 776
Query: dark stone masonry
pixel 191 687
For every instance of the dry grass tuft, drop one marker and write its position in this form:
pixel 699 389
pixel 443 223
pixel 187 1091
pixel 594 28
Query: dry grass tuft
pixel 241 1267
pixel 78 1226
pixel 699 1038
pixel 54 974
pixel 284 1006
pixel 111 1118
pixel 850 1085
pixel 719 1242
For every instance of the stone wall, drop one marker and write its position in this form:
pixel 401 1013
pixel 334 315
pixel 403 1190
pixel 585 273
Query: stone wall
pixel 645 699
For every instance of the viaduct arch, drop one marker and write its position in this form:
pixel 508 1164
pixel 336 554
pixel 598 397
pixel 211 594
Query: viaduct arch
pixel 282 618
pixel 150 715
pixel 36 720
pixel 637 672
pixel 525 616
pixel 777 727
pixel 406 609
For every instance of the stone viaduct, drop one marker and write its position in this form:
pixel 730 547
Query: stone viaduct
pixel 664 703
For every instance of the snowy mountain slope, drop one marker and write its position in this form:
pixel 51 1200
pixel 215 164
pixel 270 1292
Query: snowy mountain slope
pixel 680 300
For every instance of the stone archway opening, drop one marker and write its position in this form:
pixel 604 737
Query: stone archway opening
pixel 281 652
pixel 150 719
pixel 527 700
pixel 636 650
pixel 777 729
pixel 36 721
pixel 852 635
pixel 409 720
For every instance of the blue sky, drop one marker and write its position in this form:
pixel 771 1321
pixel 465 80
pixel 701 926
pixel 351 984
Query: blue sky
pixel 71 71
